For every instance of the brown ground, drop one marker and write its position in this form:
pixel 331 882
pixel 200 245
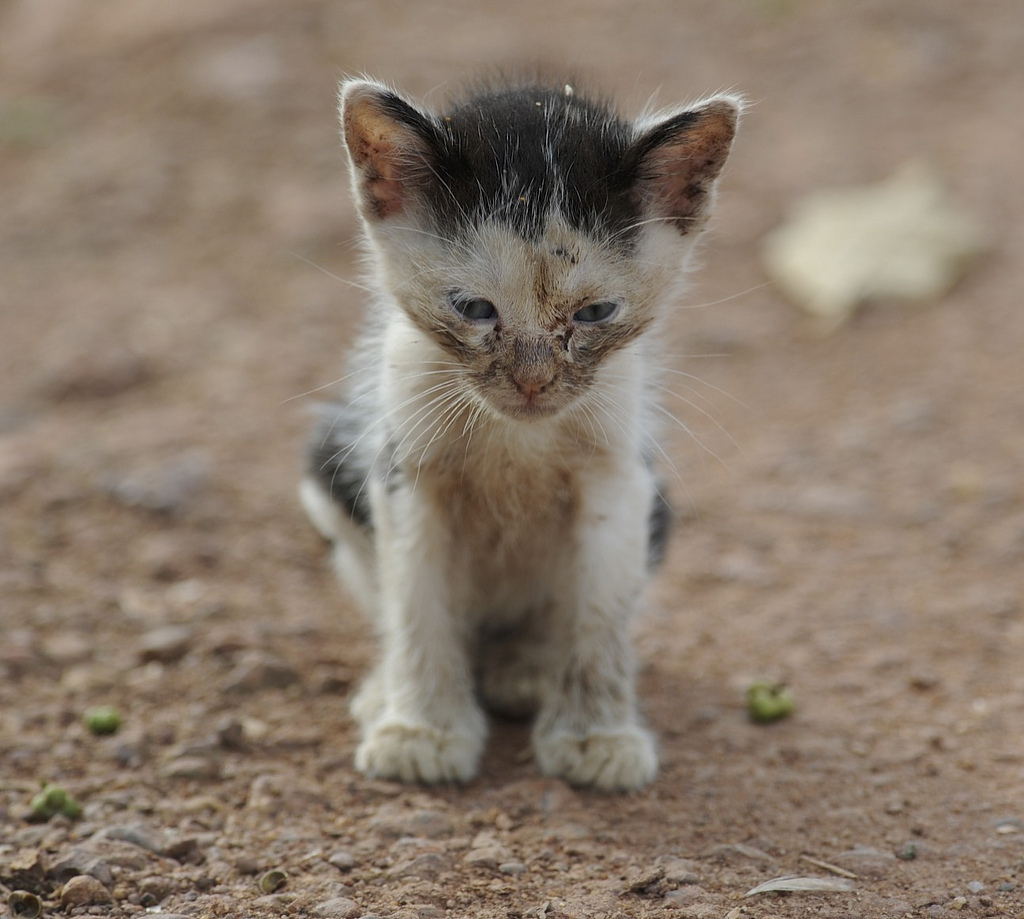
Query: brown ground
pixel 170 179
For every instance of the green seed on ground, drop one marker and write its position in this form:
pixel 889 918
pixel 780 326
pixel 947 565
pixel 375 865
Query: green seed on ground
pixel 272 880
pixel 103 719
pixel 53 800
pixel 768 701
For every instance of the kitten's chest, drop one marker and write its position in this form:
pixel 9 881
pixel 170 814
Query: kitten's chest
pixel 504 503
pixel 511 516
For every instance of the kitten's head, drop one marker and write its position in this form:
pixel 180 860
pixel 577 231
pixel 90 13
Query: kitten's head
pixel 530 233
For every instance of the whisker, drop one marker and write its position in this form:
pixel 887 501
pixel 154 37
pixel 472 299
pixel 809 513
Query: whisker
pixel 332 276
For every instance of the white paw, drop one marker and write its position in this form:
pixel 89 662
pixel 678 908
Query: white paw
pixel 370 701
pixel 419 753
pixel 620 759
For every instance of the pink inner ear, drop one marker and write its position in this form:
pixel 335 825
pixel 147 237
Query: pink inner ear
pixel 382 189
pixel 683 170
pixel 382 151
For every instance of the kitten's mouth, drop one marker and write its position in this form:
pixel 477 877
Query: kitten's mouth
pixel 525 406
pixel 522 407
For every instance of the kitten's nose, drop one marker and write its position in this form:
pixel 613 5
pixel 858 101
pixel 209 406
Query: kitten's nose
pixel 533 368
pixel 532 387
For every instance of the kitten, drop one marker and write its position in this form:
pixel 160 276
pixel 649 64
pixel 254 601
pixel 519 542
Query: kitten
pixel 488 481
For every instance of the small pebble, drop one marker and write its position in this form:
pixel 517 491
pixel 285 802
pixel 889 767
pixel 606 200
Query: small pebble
pixel 81 861
pixel 975 886
pixel 487 856
pixel 231 733
pixel 678 870
pixel 191 767
pixel 27 870
pixel 84 890
pixel 342 859
pixel 426 867
pixel 169 488
pixel 397 822
pixel 337 908
pixel 155 890
pixel 246 864
pixel 167 644
pixel 429 912
pixel 140 836
pixel 260 671
pixel 684 895
pixel 514 868
pixel 866 862
pixel 907 852
pixel 94 373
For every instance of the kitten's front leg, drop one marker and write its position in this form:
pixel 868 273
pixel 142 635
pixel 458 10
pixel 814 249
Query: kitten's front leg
pixel 420 720
pixel 588 730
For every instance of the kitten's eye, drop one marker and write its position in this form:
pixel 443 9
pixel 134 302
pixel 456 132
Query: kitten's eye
pixel 601 311
pixel 475 309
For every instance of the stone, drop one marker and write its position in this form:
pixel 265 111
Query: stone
pixel 678 870
pixel 169 487
pixel 167 644
pixel 337 908
pixel 258 671
pixel 191 767
pixel 84 890
pixel 155 889
pixel 140 836
pixel 427 867
pixel 866 862
pixel 81 861
pixel 684 895
pixel 27 870
pixel 342 859
pixel 513 868
pixel 94 372
pixel 487 856
pixel 425 823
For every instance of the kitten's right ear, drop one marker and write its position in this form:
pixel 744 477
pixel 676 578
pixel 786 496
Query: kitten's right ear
pixel 389 147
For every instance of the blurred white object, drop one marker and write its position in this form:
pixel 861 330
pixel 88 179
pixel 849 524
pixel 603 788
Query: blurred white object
pixel 902 239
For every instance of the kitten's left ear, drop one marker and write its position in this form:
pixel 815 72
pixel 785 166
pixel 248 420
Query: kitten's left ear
pixel 676 161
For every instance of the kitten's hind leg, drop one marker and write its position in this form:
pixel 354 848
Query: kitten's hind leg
pixel 335 496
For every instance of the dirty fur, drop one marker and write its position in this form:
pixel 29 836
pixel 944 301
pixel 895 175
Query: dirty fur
pixel 487 481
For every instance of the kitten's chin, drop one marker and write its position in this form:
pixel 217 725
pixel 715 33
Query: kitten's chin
pixel 519 408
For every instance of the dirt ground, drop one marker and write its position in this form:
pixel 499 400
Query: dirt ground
pixel 175 229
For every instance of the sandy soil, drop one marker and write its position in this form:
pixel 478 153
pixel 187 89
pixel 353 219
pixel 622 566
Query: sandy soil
pixel 174 228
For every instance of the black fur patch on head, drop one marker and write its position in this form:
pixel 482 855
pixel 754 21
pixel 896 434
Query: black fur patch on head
pixel 518 154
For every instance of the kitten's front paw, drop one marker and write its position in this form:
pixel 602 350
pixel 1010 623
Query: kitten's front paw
pixel 419 753
pixel 621 759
